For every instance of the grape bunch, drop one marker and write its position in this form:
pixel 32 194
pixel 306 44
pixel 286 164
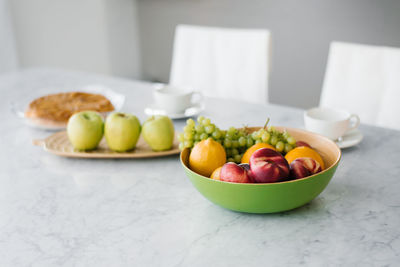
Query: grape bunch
pixel 282 141
pixel 235 141
pixel 192 133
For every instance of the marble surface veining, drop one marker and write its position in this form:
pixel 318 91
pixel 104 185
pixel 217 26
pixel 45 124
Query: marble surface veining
pixel 57 211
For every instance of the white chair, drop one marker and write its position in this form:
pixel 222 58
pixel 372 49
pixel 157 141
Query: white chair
pixel 365 80
pixel 8 54
pixel 222 62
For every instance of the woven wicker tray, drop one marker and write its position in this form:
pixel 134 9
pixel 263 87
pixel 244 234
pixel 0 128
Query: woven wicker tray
pixel 59 144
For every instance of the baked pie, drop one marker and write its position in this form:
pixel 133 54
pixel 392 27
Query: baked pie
pixel 55 109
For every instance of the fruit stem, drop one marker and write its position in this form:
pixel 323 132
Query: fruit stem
pixel 266 123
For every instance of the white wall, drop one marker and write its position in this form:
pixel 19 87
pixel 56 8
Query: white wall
pixel 89 35
pixel 8 55
pixel 301 32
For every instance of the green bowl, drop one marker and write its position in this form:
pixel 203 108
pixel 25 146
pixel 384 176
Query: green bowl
pixel 271 197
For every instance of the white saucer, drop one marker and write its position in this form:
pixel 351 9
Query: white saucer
pixel 189 112
pixel 352 138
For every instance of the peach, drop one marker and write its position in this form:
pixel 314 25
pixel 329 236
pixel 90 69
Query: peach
pixel 268 166
pixel 302 143
pixel 216 173
pixel 231 172
pixel 303 167
pixel 246 166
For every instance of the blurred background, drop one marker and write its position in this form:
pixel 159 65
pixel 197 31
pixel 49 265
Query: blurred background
pixel 134 38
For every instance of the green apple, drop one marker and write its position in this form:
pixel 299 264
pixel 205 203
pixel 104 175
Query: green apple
pixel 122 131
pixel 85 130
pixel 158 132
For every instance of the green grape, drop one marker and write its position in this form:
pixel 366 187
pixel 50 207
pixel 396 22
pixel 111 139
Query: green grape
pixel 209 129
pixel 203 136
pixel 232 130
pixel 271 129
pixel 200 119
pixel 230 160
pixel 280 146
pixel 199 129
pixel 291 141
pixel 229 135
pixel 242 141
pixel 206 122
pixel 188 143
pixel 223 134
pixel 288 148
pixel 249 141
pixel 265 137
pixel 228 152
pixel 227 143
pixel 235 144
pixel 235 152
pixel 196 137
pixel 219 141
pixel 190 122
pixel 181 137
pixel 188 135
pixel 217 134
pixel 195 143
pixel 188 129
pixel 274 140
pixel 256 135
pixel 237 158
pixel 258 141
pixel 285 134
pixel 181 146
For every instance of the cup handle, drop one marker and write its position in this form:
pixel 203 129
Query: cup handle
pixel 356 122
pixel 197 98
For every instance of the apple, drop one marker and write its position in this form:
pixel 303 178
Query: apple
pixel 268 166
pixel 231 172
pixel 122 131
pixel 158 131
pixel 303 167
pixel 302 143
pixel 85 130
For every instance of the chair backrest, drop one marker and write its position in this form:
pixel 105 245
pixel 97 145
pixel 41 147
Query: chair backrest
pixel 222 62
pixel 365 80
pixel 8 55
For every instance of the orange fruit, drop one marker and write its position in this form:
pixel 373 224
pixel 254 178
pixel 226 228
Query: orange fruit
pixel 216 173
pixel 206 156
pixel 252 149
pixel 303 151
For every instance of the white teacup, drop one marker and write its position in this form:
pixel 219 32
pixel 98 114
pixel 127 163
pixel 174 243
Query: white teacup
pixel 175 99
pixel 332 123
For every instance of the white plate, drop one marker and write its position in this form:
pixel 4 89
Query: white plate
pixel 352 138
pixel 19 106
pixel 189 112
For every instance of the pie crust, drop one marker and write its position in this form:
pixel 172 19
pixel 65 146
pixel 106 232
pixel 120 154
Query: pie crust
pixel 55 109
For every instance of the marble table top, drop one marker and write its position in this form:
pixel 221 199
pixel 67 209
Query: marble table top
pixel 58 211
